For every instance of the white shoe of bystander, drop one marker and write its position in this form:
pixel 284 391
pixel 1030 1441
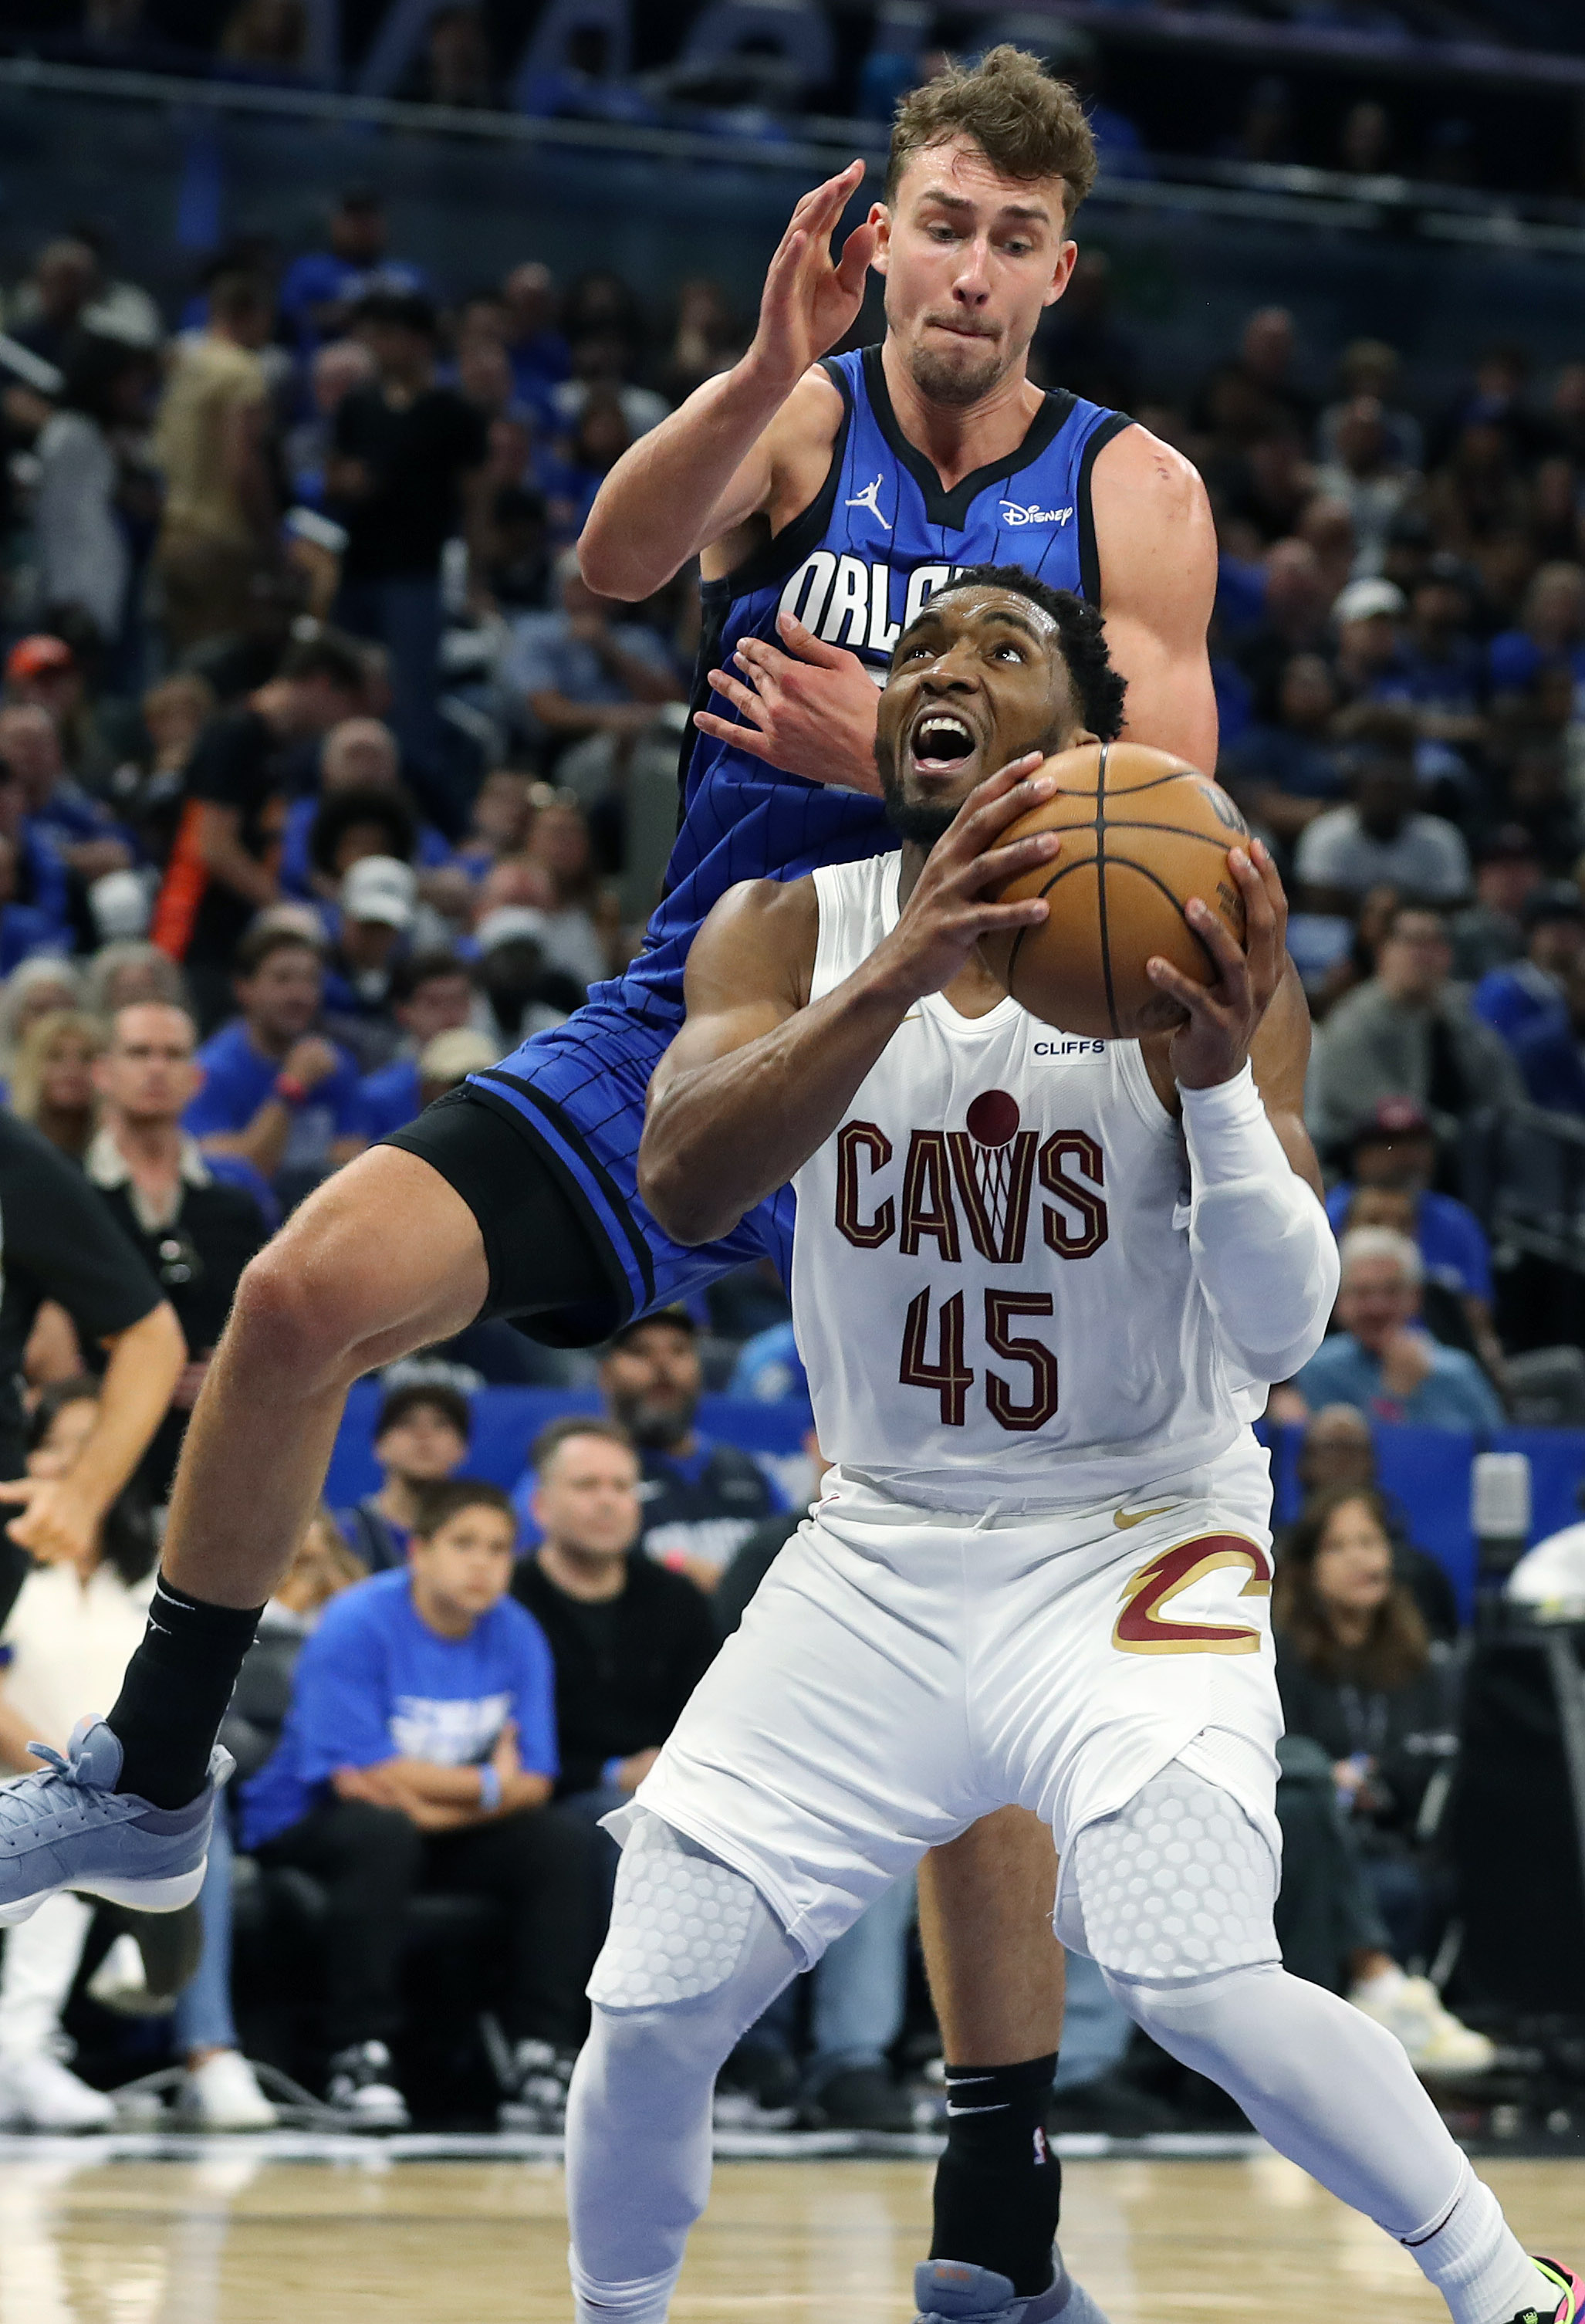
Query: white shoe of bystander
pixel 37 2092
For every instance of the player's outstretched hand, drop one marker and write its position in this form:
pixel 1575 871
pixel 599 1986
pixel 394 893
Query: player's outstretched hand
pixel 948 912
pixel 810 298
pixel 810 711
pixel 1224 1016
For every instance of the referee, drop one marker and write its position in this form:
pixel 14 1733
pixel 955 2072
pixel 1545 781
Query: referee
pixel 57 1242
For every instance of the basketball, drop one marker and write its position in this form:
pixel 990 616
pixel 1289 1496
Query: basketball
pixel 1142 831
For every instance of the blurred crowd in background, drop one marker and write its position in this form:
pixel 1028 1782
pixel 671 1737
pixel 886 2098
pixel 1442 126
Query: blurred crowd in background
pixel 325 778
pixel 1368 89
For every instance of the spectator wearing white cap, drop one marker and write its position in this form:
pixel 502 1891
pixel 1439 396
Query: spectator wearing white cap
pixel 525 993
pixel 1368 619
pixel 376 908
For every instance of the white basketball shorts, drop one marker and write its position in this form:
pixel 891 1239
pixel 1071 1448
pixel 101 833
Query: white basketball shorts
pixel 903 1671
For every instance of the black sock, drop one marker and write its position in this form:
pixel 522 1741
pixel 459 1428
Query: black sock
pixel 175 1692
pixel 998 2187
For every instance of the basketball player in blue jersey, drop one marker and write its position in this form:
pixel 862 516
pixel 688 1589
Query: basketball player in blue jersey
pixel 827 499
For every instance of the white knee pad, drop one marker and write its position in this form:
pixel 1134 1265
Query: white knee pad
pixel 1177 1885
pixel 679 1924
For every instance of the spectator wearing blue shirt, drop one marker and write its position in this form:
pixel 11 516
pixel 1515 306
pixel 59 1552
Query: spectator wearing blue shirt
pixel 1383 1361
pixel 535 349
pixel 1440 673
pixel 377 903
pixel 1554 631
pixel 419 1752
pixel 360 755
pixel 580 673
pixel 432 993
pixel 1530 992
pixel 1396 1149
pixel 1550 1055
pixel 770 1368
pixel 1285 772
pixel 322 286
pixel 62 821
pixel 701 1499
pixel 24 930
pixel 275 1092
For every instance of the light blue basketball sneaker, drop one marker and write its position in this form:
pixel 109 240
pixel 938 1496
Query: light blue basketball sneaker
pixel 948 2291
pixel 67 1827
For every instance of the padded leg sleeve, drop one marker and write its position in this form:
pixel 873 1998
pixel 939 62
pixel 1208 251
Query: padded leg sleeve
pixel 1173 1898
pixel 693 1957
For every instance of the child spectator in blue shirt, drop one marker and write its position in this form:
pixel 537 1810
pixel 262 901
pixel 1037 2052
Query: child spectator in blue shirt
pixel 419 1752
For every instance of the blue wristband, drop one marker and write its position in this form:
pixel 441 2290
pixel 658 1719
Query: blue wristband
pixel 489 1788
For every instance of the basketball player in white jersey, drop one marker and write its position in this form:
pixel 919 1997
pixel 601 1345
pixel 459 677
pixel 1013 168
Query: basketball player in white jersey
pixel 1039 1284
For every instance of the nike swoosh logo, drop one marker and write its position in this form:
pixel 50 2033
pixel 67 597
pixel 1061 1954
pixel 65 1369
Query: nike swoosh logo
pixel 1126 1519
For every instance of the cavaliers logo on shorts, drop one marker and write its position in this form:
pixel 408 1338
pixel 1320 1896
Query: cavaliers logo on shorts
pixel 1146 1628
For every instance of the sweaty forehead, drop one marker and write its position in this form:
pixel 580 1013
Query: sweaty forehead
pixel 956 610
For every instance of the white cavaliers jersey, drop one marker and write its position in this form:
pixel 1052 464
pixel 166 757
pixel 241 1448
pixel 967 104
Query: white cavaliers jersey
pixel 991 1285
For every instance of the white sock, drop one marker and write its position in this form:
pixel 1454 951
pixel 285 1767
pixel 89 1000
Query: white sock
pixel 1476 2262
pixel 644 2302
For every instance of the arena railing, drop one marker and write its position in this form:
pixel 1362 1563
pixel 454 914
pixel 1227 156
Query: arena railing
pixel 1256 194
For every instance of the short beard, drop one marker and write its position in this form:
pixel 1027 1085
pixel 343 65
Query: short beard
pixel 655 1428
pixel 913 820
pixel 941 382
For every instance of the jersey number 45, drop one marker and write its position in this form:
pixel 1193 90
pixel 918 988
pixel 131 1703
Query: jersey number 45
pixel 951 1377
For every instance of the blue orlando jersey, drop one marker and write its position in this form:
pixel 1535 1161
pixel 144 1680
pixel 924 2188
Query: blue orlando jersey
pixel 856 567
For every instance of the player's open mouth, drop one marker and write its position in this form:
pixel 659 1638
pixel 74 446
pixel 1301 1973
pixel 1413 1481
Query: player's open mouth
pixel 941 744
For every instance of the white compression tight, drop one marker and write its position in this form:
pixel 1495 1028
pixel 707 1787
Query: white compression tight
pixel 693 1957
pixel 1173 1898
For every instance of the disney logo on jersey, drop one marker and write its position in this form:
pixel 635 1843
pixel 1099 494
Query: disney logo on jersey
pixel 1016 512
pixel 870 498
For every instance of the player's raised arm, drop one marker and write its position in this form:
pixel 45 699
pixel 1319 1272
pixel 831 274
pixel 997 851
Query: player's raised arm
pixel 713 463
pixel 1157 548
pixel 760 1076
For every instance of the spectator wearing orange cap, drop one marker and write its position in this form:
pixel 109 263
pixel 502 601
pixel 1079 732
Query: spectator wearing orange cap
pixel 43 672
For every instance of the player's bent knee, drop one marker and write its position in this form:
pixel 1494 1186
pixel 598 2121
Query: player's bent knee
pixel 274 1318
pixel 1177 1886
pixel 302 1309
pixel 689 1934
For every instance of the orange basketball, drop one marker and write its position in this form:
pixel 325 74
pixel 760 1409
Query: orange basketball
pixel 1142 833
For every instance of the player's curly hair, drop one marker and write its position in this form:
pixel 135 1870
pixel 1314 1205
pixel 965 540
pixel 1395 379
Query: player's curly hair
pixel 1100 688
pixel 1028 124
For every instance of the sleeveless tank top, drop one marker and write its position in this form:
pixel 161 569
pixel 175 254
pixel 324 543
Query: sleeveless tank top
pixel 856 567
pixel 991 1284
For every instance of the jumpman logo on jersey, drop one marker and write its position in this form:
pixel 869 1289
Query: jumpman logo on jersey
pixel 867 500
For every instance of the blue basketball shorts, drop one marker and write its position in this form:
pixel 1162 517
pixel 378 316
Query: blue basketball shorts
pixel 571 1099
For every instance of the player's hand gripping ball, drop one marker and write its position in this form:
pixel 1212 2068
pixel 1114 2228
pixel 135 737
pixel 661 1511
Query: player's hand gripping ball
pixel 1141 833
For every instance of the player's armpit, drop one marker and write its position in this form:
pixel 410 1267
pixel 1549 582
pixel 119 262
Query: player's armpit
pixel 1156 545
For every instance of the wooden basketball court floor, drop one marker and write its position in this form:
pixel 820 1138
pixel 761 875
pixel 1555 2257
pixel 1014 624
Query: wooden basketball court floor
pixel 227 2233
